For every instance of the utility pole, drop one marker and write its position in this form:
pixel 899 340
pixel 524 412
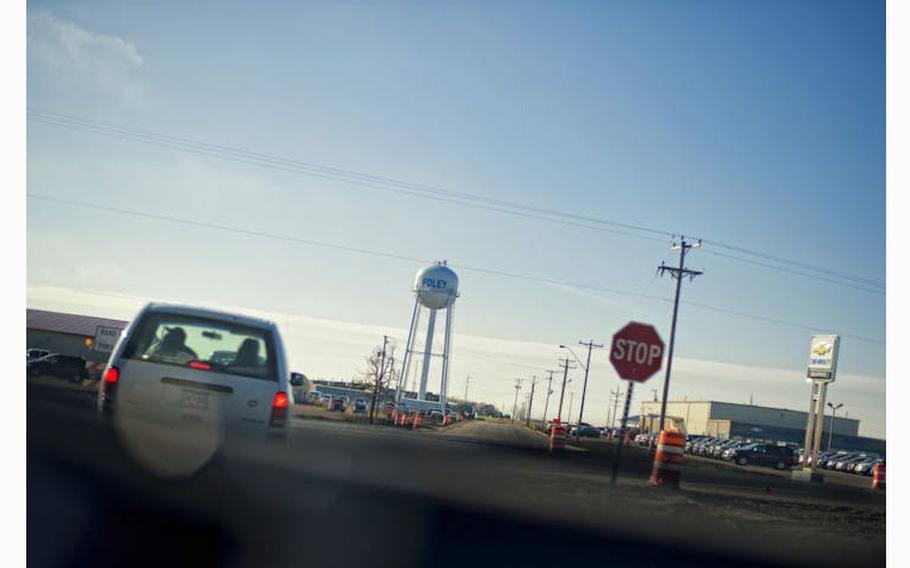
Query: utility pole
pixel 833 408
pixel 615 396
pixel 584 389
pixel 515 404
pixel 467 381
pixel 379 376
pixel 654 394
pixel 678 273
pixel 571 403
pixel 565 375
pixel 546 406
pixel 391 370
pixel 531 401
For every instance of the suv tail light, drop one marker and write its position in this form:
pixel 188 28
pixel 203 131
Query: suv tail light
pixel 279 410
pixel 108 388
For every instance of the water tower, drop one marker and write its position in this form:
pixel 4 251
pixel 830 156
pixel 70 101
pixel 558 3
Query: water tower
pixel 435 288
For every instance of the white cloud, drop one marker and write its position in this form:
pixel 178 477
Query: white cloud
pixel 106 62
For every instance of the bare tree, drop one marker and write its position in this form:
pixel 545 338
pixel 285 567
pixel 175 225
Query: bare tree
pixel 380 371
pixel 378 374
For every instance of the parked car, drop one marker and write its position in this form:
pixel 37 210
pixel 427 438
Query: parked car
pixel 778 457
pixel 360 406
pixel 718 449
pixel 336 405
pixel 841 462
pixel 707 450
pixel 36 353
pixel 849 464
pixel 61 366
pixel 730 453
pixel 691 441
pixel 832 459
pixel 864 467
pixel 701 445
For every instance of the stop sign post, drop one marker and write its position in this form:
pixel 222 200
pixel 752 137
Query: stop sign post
pixel 636 353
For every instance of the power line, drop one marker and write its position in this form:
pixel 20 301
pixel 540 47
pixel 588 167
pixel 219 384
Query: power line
pixel 349 177
pixel 372 181
pixel 798 264
pixel 406 258
pixel 861 286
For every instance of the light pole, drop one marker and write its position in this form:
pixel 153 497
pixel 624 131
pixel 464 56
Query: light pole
pixel 565 363
pixel 833 408
pixel 546 406
pixel 584 389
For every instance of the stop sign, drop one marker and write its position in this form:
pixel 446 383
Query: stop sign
pixel 637 352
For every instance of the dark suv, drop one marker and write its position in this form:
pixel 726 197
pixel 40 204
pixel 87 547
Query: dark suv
pixel 778 457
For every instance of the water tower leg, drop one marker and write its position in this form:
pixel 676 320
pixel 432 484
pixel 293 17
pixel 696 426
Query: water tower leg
pixel 427 355
pixel 408 348
pixel 444 384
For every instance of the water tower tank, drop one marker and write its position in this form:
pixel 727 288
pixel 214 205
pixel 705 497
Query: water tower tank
pixel 436 286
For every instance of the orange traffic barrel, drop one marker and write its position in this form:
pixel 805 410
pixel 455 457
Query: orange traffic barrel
pixel 557 436
pixel 668 459
pixel 446 420
pixel 418 421
pixel 878 476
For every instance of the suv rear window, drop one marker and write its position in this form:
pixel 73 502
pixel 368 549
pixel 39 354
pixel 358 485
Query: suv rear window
pixel 205 344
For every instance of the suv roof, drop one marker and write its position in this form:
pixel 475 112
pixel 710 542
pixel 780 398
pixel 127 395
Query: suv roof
pixel 209 313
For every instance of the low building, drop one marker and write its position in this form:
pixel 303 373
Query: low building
pixel 77 335
pixel 729 420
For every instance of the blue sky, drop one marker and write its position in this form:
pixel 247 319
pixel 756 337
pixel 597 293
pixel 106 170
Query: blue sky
pixel 758 124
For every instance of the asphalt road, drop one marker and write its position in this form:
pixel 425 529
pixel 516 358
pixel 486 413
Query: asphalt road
pixel 478 492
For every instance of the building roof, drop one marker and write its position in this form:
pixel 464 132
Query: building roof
pixel 743 405
pixel 74 324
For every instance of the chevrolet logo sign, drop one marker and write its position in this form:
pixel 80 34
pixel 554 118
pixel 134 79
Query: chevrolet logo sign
pixel 822 349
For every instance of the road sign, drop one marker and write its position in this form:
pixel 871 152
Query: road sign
pixel 105 338
pixel 637 352
pixel 823 357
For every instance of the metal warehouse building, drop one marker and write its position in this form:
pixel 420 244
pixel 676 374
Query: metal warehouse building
pixel 88 337
pixel 728 420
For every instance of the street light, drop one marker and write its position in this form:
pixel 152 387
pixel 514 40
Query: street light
pixel 833 408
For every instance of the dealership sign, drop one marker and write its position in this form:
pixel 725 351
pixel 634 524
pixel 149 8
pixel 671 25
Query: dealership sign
pixel 105 338
pixel 823 357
